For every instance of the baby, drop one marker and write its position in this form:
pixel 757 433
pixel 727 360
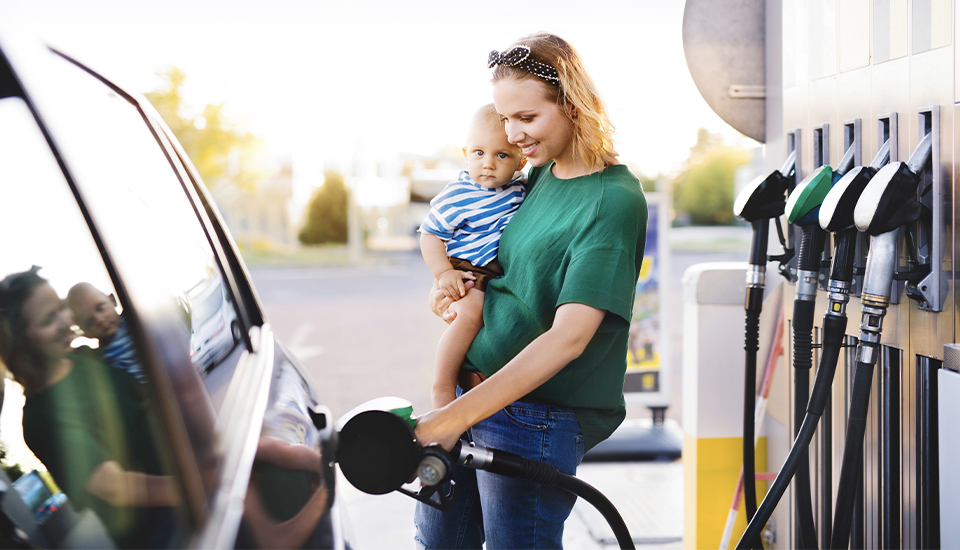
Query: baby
pixel 96 315
pixel 461 234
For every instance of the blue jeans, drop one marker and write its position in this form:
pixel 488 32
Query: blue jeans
pixel 503 511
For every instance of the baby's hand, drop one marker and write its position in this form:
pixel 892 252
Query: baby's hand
pixel 451 283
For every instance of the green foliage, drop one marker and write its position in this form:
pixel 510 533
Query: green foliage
pixel 703 190
pixel 648 184
pixel 13 471
pixel 219 149
pixel 325 220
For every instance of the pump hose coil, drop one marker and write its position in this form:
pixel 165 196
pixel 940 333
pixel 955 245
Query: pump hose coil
pixel 833 330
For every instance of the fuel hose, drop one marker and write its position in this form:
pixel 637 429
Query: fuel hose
pixel 753 306
pixel 834 327
pixel 811 247
pixel 511 465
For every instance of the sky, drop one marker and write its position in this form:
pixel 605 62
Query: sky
pixel 323 82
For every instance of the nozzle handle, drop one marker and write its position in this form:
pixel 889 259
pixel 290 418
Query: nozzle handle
pixel 758 244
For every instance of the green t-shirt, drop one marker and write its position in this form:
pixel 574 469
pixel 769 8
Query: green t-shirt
pixel 572 241
pixel 96 413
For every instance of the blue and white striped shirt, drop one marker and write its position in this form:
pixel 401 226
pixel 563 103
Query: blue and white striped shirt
pixel 470 218
pixel 120 354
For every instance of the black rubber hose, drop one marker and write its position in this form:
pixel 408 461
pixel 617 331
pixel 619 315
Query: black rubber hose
pixel 753 305
pixel 852 465
pixel 512 465
pixel 751 344
pixel 802 362
pixel 833 329
pixel 601 503
pixel 811 248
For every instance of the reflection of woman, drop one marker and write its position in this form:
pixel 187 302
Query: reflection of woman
pixel 544 377
pixel 85 421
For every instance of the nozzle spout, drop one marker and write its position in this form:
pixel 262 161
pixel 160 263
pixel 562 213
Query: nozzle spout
pixel 921 154
pixel 846 163
pixel 883 155
pixel 790 164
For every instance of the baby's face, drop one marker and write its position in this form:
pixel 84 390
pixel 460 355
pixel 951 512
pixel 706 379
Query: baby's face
pixel 491 160
pixel 96 315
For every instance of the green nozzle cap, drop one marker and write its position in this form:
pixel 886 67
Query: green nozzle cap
pixel 809 194
pixel 397 405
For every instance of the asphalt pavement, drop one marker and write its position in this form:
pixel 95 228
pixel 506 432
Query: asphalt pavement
pixel 363 331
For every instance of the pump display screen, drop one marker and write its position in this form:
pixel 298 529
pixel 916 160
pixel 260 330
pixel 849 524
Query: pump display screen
pixel 32 490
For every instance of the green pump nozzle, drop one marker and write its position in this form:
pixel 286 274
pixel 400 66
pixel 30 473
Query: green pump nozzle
pixel 803 205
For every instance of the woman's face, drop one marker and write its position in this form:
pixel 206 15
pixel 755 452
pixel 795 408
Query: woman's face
pixel 533 122
pixel 48 322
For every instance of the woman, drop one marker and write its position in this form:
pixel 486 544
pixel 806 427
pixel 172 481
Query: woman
pixel 544 377
pixel 85 421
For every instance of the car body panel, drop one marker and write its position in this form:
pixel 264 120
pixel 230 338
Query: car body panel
pixel 234 438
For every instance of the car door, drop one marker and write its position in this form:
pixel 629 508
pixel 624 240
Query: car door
pixel 96 188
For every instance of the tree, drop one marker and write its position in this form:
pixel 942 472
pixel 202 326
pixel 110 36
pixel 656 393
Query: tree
pixel 219 149
pixel 704 188
pixel 325 220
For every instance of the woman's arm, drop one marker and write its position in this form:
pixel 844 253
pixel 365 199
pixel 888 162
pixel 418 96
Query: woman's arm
pixel 119 487
pixel 573 328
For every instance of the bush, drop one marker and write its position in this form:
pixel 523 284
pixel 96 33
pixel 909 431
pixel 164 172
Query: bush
pixel 325 220
pixel 703 191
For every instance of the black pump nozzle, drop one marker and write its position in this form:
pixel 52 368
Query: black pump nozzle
pixel 890 199
pixel 760 201
pixel 836 212
pixel 764 197
pixel 378 453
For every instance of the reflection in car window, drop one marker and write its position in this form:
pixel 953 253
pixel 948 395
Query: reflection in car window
pixel 77 410
pixel 149 225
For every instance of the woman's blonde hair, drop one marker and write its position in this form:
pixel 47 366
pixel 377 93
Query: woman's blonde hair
pixel 593 131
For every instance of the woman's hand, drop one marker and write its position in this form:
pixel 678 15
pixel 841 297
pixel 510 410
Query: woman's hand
pixel 438 302
pixel 439 426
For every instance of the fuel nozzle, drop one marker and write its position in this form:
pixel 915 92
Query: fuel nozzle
pixel 888 202
pixel 836 212
pixel 890 199
pixel 378 453
pixel 760 201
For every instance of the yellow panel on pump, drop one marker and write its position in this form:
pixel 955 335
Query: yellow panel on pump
pixel 711 469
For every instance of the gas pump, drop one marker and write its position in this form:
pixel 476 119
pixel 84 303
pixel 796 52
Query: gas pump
pixel 759 202
pixel 378 453
pixel 888 203
pixel 803 211
pixel 835 214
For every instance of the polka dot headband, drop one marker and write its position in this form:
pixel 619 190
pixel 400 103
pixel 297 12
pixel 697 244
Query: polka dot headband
pixel 519 56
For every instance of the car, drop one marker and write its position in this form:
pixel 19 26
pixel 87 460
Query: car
pixel 95 188
pixel 214 329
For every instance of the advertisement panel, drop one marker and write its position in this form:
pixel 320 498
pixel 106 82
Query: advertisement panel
pixel 648 354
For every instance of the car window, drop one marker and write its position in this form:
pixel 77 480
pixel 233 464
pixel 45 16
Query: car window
pixel 149 225
pixel 78 413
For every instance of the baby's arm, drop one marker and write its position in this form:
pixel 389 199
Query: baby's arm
pixel 449 280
